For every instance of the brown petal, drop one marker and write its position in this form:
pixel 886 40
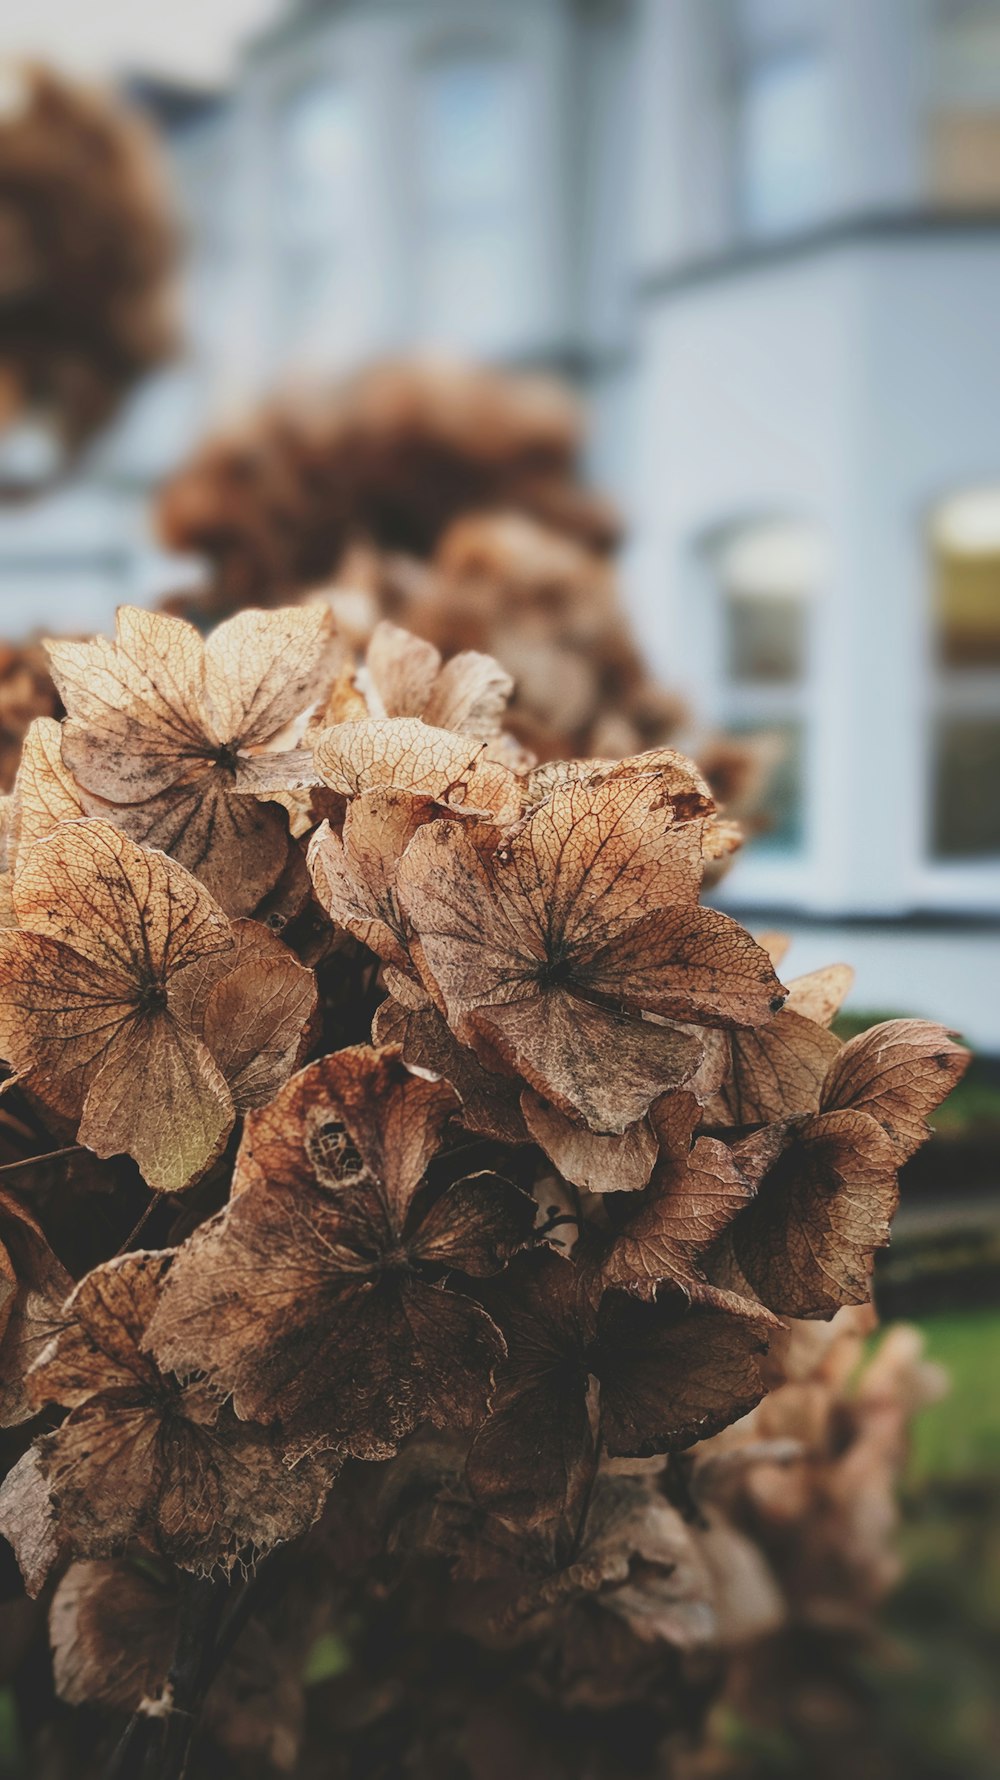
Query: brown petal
pixel 473 949
pixel 470 696
pixel 689 1202
pixel 491 1103
pixel 235 846
pixel 159 1097
pixel 124 907
pixel 399 753
pixel 393 1118
pixel 476 1225
pixel 673 1372
pixel 99 1347
pixel 897 1072
pixel 134 705
pixel 113 1630
pixel 44 792
pixel 594 855
pixel 806 1244
pixel 402 670
pixel 257 1018
pixel 819 995
pixel 563 1047
pixel 355 876
pixel 594 1160
pixel 687 964
pixel 264 669
pixel 778 1070
pixel 27 1521
pixel 59 1015
pixel 527 1459
pixel 33 1288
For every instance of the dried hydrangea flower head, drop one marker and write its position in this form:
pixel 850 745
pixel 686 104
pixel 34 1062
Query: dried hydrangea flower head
pixel 88 249
pixel 487 1275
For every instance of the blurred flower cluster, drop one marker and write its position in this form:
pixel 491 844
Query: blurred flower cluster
pixel 467 1145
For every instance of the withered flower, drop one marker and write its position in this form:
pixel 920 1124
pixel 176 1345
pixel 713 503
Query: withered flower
pixel 546 953
pixel 670 1371
pixel 144 1457
pixel 178 735
pixel 33 1288
pixel 827 1182
pixel 695 1191
pixel 405 677
pixel 118 993
pixel 322 1296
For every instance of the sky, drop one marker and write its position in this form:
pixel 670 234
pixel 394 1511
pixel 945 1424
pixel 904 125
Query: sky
pixel 186 40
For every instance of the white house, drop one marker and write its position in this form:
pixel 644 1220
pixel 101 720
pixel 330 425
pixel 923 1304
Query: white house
pixel 763 236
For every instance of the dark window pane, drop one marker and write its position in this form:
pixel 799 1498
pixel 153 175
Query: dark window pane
pixel 778 823
pixel 966 808
pixel 765 638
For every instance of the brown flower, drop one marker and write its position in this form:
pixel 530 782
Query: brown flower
pixel 670 1371
pixel 142 1456
pixel 827 1182
pixel 118 997
pixel 33 1287
pixel 321 1297
pixel 545 953
pixel 178 734
pixel 406 678
pixel 695 1192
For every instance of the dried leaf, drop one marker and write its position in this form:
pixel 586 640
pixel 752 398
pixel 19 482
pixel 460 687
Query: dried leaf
pixel 136 1008
pixel 27 1522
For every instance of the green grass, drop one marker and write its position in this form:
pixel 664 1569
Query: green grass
pixel 960 1436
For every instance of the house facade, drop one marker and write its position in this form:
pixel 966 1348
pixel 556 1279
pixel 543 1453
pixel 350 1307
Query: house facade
pixel 763 238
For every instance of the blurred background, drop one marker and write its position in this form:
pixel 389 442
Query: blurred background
pixel 761 241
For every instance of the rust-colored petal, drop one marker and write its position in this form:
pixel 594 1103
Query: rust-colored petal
pixel 897 1072
pixel 689 1202
pixel 33 1288
pixel 597 1161
pixel 675 1370
pixel 690 964
pixel 563 1047
pixel 491 1103
pixel 807 1242
pixel 398 753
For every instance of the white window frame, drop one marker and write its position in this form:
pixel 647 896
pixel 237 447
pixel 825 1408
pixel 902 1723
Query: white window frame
pixel 943 885
pixel 767 879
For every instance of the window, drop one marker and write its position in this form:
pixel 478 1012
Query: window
pixel 783 136
pixel 965 720
pixel 964 122
pixel 766 576
pixel 472 167
pixel 316 195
